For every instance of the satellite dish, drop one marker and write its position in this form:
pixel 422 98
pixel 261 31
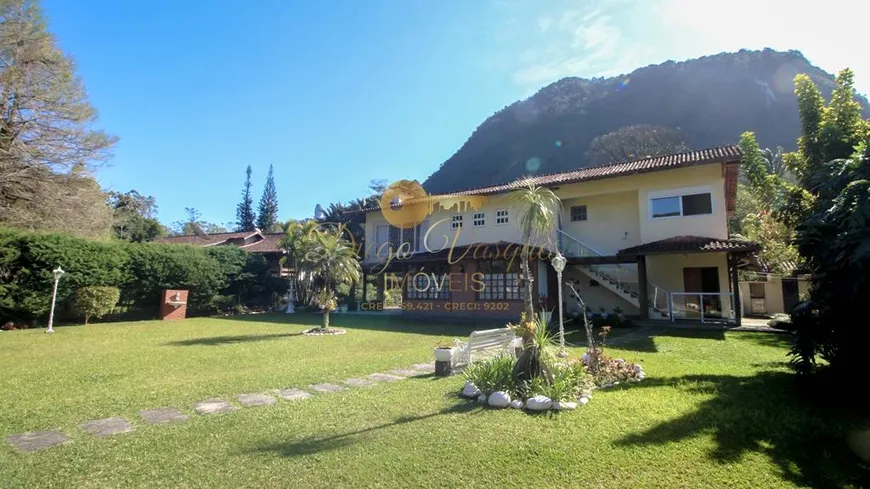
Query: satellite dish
pixel 319 213
pixel 198 230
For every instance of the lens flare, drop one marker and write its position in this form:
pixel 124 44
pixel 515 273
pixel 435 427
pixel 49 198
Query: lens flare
pixel 533 164
pixel 558 143
pixel 623 83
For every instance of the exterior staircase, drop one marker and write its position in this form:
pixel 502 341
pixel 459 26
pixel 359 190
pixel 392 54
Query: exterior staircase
pixel 621 279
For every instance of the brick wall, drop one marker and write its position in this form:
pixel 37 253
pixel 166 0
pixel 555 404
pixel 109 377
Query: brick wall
pixel 169 312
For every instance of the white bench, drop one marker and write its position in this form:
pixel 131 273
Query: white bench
pixel 489 342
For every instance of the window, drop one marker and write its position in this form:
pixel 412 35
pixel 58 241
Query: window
pixel 420 232
pixel 431 284
pixel 499 283
pixel 501 216
pixel 682 205
pixel 456 222
pixel 478 219
pixel 756 291
pixel 578 213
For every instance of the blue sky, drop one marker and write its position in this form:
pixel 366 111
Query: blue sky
pixel 336 93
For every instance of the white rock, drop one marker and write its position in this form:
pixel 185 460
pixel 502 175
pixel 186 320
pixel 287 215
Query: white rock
pixel 564 406
pixel 499 399
pixel 585 358
pixel 539 403
pixel 481 398
pixel 620 361
pixel 583 400
pixel 470 390
pixel 517 404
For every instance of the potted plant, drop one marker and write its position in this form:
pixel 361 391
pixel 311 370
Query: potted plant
pixel 444 352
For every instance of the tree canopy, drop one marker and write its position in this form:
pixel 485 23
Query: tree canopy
pixel 245 217
pixel 635 142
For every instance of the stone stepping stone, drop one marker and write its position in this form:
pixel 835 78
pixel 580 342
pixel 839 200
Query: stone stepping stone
pixel 359 382
pixel 162 415
pixel 293 394
pixel 424 367
pixel 106 427
pixel 213 406
pixel 385 377
pixel 35 441
pixel 326 388
pixel 403 372
pixel 250 400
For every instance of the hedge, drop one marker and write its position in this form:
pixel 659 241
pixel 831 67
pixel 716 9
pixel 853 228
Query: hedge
pixel 217 277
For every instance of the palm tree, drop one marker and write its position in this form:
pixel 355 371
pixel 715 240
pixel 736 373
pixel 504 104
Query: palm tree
pixel 297 240
pixel 537 208
pixel 331 261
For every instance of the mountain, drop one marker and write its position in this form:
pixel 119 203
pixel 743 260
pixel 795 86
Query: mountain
pixel 710 100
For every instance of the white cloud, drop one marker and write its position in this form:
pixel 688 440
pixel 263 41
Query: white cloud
pixel 544 23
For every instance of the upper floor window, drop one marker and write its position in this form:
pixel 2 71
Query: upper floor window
pixel 478 219
pixel 501 216
pixel 456 222
pixel 578 213
pixel 682 205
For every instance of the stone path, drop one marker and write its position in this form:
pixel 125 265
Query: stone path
pixel 106 427
pixel 30 442
pixel 162 415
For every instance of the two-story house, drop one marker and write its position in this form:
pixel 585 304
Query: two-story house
pixel 647 237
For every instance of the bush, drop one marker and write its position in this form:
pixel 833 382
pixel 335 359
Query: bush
pixel 94 301
pixel 781 321
pixel 611 370
pixel 493 374
pixel 214 276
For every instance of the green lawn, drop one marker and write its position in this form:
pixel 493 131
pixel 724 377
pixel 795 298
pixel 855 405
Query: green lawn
pixel 716 410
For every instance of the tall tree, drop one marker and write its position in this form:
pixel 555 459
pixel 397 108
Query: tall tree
pixel 635 142
pixel 245 218
pixel 194 224
pixel 133 217
pixel 267 218
pixel 48 145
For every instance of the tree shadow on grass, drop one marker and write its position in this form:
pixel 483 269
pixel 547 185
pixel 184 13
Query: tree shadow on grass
pixel 763 414
pixel 392 323
pixel 231 340
pixel 316 444
pixel 643 339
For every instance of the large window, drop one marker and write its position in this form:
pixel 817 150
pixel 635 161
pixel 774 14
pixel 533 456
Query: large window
pixel 415 238
pixel 682 205
pixel 499 283
pixel 431 283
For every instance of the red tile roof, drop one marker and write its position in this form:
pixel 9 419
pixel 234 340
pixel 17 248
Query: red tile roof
pixel 691 244
pixel 722 154
pixel 268 242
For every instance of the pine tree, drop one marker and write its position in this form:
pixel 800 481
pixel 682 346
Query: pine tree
pixel 245 210
pixel 268 211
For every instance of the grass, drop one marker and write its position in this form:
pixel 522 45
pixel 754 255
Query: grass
pixel 717 410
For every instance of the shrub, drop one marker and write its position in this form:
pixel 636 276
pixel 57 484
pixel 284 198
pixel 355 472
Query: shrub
pixel 95 301
pixel 607 371
pixel 781 321
pixel 567 381
pixel 493 374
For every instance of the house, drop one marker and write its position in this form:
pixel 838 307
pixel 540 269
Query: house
pixel 647 237
pixel 265 244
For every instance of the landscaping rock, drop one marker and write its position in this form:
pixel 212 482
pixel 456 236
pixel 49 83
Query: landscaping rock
pixel 564 405
pixel 359 382
pixel 499 399
pixel 326 388
pixel 162 415
pixel 539 403
pixel 35 441
pixel 293 394
pixel 385 377
pixel 470 390
pixel 481 398
pixel 251 400
pixel 213 406
pixel 583 400
pixel 517 404
pixel 106 427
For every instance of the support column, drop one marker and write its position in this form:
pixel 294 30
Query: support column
pixel 735 289
pixel 381 281
pixel 365 282
pixel 642 296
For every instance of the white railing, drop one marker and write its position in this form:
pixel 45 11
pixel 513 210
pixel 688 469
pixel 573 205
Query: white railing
pixel 622 275
pixel 705 306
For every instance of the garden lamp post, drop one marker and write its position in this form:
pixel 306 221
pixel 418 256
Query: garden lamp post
pixel 56 273
pixel 559 262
